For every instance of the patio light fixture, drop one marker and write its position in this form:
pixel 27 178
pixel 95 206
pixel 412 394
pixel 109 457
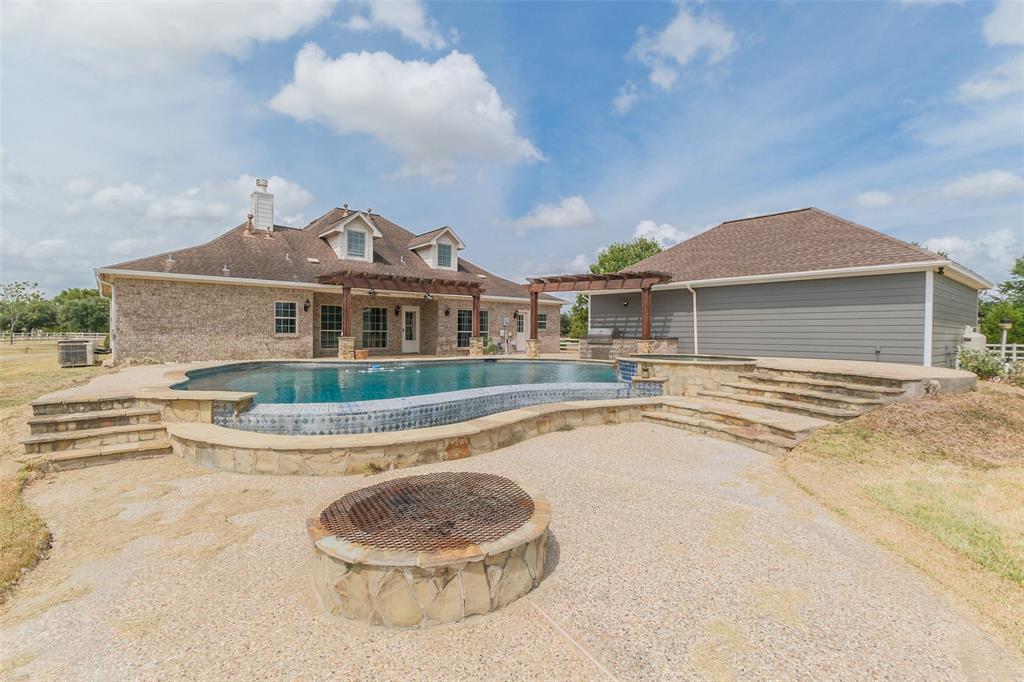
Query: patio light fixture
pixel 305 306
pixel 398 309
pixel 372 293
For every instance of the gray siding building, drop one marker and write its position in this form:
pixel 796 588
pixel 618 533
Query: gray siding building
pixel 802 284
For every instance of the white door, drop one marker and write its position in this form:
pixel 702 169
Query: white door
pixel 410 329
pixel 522 327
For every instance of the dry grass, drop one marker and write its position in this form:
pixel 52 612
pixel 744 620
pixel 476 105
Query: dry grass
pixel 25 374
pixel 940 481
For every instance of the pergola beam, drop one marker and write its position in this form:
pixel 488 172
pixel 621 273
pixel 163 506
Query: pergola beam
pixel 403 283
pixel 591 282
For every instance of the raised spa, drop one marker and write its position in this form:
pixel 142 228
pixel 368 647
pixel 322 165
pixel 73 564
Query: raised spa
pixel 314 398
pixel 423 550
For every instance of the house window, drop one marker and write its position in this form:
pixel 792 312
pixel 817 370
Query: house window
pixel 520 323
pixel 375 327
pixel 484 319
pixel 284 317
pixel 464 328
pixel 355 244
pixel 542 321
pixel 330 325
pixel 444 255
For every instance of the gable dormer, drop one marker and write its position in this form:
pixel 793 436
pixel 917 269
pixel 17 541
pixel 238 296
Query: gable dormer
pixel 352 237
pixel 438 248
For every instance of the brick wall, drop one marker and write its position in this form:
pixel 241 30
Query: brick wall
pixel 181 321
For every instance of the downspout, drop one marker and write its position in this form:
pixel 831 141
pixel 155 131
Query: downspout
pixel 696 346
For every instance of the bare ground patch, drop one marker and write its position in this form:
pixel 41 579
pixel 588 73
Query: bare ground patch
pixel 940 482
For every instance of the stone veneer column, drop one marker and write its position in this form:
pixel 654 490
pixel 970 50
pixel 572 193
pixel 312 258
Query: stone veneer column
pixel 645 346
pixel 476 346
pixel 533 348
pixel 346 348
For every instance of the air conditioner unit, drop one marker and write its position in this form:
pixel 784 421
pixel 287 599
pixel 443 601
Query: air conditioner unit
pixel 76 352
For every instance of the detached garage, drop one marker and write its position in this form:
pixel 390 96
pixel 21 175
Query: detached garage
pixel 803 283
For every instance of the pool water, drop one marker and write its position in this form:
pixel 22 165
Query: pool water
pixel 302 382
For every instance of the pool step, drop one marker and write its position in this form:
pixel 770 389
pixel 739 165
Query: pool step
pixel 106 454
pixel 85 439
pixel 744 435
pixel 784 424
pixel 833 414
pixel 836 387
pixel 49 406
pixel 79 421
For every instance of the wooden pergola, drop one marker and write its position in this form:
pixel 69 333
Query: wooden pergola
pixel 349 280
pixel 590 282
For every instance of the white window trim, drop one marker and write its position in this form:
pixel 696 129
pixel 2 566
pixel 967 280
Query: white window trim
pixel 296 318
pixel 367 244
pixel 454 264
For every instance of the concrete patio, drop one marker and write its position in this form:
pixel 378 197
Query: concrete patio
pixel 673 556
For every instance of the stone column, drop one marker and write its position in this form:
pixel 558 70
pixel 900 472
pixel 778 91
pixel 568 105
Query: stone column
pixel 476 346
pixel 645 346
pixel 346 348
pixel 533 348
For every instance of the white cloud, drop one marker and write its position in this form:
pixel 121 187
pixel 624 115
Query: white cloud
pixel 1005 26
pixel 626 98
pixel 433 114
pixel 124 36
pixel 664 234
pixel 990 252
pixel 686 37
pixel 221 202
pixel 578 263
pixel 874 199
pixel 1005 79
pixel 408 18
pixel 570 212
pixel 989 184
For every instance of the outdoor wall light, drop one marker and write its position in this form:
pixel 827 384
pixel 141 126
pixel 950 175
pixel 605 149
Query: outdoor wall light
pixel 398 309
pixel 447 311
pixel 427 296
pixel 372 293
pixel 625 304
pixel 305 306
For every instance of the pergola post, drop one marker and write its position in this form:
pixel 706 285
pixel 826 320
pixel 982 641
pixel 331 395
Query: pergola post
pixel 646 343
pixel 346 342
pixel 533 343
pixel 476 342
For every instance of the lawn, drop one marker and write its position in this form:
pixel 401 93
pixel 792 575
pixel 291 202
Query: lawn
pixel 940 482
pixel 25 374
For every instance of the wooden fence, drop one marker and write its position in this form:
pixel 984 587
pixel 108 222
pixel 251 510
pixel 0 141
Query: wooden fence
pixel 51 337
pixel 567 345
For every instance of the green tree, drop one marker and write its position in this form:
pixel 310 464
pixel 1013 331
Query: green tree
pixel 1013 289
pixel 993 311
pixel 82 310
pixel 16 299
pixel 612 258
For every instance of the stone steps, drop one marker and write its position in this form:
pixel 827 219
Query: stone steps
pixel 803 395
pixel 106 454
pixel 46 407
pixel 93 438
pixel 784 424
pixel 79 421
pixel 750 437
pixel 837 387
pixel 833 414
pixel 833 377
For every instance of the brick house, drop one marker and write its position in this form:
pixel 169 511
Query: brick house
pixel 348 280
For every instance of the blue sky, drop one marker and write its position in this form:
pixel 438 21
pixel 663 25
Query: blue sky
pixel 539 131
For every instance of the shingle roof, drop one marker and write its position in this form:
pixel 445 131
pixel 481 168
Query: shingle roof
pixel 427 237
pixel 283 257
pixel 805 240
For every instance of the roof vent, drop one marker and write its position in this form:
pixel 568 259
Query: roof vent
pixel 262 206
pixel 226 270
pixel 312 260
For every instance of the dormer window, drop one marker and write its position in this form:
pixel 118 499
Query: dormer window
pixel 355 243
pixel 444 255
pixel 352 238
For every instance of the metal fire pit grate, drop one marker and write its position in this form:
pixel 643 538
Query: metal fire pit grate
pixel 448 510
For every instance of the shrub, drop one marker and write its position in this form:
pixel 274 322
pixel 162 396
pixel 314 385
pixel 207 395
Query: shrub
pixel 1015 374
pixel 986 364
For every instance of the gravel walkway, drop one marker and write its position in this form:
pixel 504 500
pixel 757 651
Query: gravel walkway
pixel 673 557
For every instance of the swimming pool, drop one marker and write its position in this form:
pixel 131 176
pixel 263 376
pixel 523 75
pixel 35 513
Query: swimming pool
pixel 314 398
pixel 335 382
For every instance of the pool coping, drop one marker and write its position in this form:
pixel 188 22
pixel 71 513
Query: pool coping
pixel 251 452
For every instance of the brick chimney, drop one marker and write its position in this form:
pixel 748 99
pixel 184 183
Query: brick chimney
pixel 262 206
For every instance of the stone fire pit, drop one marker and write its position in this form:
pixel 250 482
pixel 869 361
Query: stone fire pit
pixel 423 550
